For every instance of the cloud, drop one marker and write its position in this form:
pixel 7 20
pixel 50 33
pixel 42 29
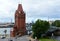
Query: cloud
pixel 43 9
pixel 34 9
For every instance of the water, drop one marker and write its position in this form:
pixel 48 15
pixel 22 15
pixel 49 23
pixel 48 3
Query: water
pixel 2 30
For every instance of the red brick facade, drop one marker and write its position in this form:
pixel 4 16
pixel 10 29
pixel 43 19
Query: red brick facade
pixel 19 26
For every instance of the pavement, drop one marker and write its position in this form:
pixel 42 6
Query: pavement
pixel 23 38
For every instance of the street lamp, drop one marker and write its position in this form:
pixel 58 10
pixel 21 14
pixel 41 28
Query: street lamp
pixel 5 32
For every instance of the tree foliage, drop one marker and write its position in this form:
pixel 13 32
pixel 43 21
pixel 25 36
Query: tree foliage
pixel 56 23
pixel 40 27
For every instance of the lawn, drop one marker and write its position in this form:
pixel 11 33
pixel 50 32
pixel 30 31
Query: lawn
pixel 47 40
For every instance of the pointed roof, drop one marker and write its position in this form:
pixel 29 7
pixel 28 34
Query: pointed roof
pixel 20 7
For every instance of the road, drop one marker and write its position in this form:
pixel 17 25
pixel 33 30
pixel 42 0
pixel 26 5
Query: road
pixel 57 38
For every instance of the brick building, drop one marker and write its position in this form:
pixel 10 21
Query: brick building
pixel 19 26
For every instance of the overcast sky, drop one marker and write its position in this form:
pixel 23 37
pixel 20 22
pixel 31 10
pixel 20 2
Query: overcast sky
pixel 34 9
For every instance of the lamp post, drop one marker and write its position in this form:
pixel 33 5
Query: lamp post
pixel 5 32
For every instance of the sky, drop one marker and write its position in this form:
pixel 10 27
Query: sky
pixel 34 9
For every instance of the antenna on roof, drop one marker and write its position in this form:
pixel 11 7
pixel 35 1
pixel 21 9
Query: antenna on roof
pixel 11 20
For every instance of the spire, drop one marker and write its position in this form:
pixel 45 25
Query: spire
pixel 20 7
pixel 20 2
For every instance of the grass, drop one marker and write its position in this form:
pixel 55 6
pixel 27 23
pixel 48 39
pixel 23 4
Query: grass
pixel 48 40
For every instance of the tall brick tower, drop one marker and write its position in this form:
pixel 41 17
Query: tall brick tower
pixel 19 26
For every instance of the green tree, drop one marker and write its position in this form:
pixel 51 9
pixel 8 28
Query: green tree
pixel 40 27
pixel 56 23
